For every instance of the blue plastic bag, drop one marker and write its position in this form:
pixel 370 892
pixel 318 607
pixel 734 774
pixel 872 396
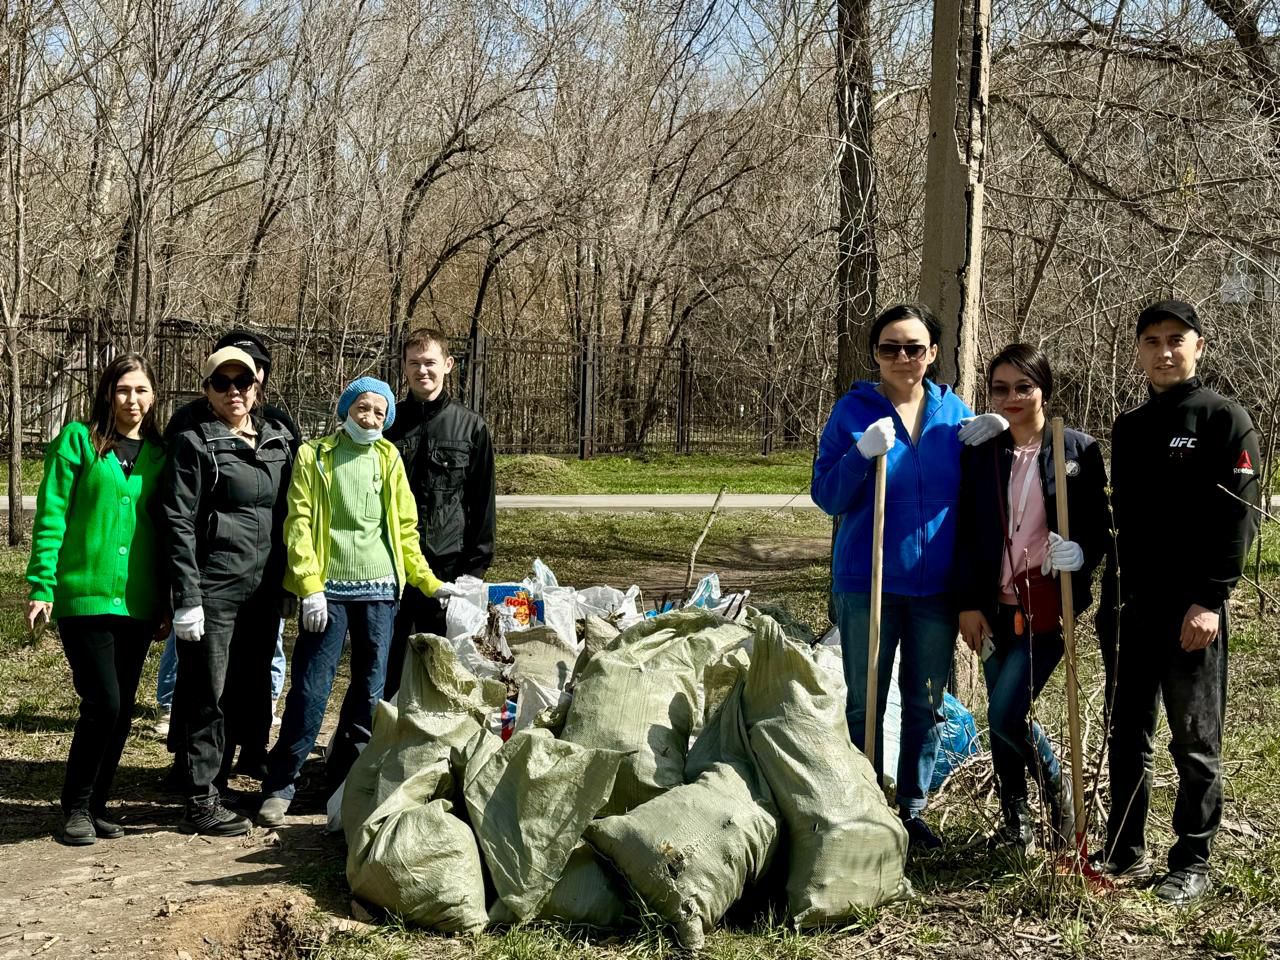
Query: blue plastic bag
pixel 957 739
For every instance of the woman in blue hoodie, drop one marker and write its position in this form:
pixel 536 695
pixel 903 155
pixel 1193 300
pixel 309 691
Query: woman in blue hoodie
pixel 920 428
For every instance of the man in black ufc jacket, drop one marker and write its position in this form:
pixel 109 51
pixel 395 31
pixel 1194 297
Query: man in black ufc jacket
pixel 449 458
pixel 1184 479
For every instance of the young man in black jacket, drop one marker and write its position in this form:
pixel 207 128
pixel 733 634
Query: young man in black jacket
pixel 1183 488
pixel 448 455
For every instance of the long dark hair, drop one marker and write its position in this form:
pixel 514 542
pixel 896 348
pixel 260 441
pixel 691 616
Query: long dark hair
pixel 102 418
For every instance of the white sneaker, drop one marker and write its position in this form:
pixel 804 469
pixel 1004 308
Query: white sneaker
pixel 161 727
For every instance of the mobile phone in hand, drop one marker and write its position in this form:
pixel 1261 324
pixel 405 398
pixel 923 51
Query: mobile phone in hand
pixel 988 648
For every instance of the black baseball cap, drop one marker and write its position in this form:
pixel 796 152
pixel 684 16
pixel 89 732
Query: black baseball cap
pixel 250 343
pixel 1164 309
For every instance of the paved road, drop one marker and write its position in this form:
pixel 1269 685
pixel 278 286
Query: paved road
pixel 617 503
pixel 632 502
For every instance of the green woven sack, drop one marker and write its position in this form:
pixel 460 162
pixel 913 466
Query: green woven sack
pixel 846 847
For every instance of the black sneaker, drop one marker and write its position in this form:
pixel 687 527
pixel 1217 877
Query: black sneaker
pixel 210 818
pixel 1136 871
pixel 77 830
pixel 1181 887
pixel 105 829
pixel 919 836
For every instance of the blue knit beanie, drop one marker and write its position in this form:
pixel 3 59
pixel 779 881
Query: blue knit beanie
pixel 367 385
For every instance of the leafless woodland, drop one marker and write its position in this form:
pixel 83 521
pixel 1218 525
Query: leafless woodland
pixel 638 170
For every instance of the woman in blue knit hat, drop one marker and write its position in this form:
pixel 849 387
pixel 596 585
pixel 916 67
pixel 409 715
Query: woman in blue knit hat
pixel 352 537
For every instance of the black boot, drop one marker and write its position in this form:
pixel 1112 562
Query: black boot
pixel 1062 811
pixel 1015 827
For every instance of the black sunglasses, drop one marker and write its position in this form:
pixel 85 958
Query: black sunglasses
pixel 241 381
pixel 890 351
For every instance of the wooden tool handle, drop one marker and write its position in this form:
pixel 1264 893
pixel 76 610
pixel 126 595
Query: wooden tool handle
pixel 1069 633
pixel 873 620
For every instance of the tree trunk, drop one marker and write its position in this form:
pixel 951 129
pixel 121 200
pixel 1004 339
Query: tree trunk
pixel 951 276
pixel 857 266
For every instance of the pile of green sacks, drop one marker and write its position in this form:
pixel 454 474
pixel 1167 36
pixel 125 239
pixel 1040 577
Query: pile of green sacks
pixel 602 811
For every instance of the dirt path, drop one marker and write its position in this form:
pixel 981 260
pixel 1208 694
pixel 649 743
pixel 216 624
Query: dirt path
pixel 156 892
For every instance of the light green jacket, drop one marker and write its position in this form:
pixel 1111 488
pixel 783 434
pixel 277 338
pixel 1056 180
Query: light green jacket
pixel 306 529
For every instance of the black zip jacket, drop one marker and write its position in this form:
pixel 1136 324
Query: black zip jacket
pixel 448 455
pixel 984 488
pixel 1179 536
pixel 198 411
pixel 225 504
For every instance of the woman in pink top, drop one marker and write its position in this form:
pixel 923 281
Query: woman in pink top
pixel 1008 556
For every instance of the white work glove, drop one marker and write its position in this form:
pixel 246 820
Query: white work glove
pixel 980 429
pixel 315 613
pixel 449 590
pixel 1064 556
pixel 878 439
pixel 188 623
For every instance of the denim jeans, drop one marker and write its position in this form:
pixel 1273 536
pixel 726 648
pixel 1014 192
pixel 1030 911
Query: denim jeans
pixel 167 676
pixel 1015 675
pixel 925 628
pixel 315 664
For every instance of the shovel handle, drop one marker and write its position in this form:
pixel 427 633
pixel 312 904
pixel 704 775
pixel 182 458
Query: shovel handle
pixel 873 620
pixel 1069 633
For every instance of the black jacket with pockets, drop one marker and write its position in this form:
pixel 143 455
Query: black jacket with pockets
pixel 984 487
pixel 225 505
pixel 448 456
pixel 1180 536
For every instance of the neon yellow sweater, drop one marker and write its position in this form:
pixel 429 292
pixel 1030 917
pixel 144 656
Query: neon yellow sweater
pixel 306 529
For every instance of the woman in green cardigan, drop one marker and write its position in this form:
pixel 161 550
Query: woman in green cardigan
pixel 95 568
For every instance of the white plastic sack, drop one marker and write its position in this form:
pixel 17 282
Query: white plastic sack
pixel 463 618
pixel 610 603
pixel 560 613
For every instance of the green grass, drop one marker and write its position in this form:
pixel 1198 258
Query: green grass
pixel 32 474
pixel 783 473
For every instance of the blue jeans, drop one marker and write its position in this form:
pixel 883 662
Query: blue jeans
pixel 1015 675
pixel 315 664
pixel 167 676
pixel 926 630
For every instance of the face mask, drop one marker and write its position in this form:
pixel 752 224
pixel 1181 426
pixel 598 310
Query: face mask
pixel 361 435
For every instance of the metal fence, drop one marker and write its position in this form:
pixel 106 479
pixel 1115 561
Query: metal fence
pixel 538 396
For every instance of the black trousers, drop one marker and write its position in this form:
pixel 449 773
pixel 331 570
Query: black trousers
pixel 223 695
pixel 1146 665
pixel 106 655
pixel 418 614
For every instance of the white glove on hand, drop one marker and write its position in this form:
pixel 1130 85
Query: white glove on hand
pixel 980 429
pixel 448 590
pixel 188 623
pixel 878 439
pixel 315 613
pixel 1064 556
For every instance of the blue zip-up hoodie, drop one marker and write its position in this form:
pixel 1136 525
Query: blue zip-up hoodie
pixel 921 496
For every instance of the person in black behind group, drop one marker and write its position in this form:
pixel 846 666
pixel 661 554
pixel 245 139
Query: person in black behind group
pixel 449 458
pixel 1184 486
